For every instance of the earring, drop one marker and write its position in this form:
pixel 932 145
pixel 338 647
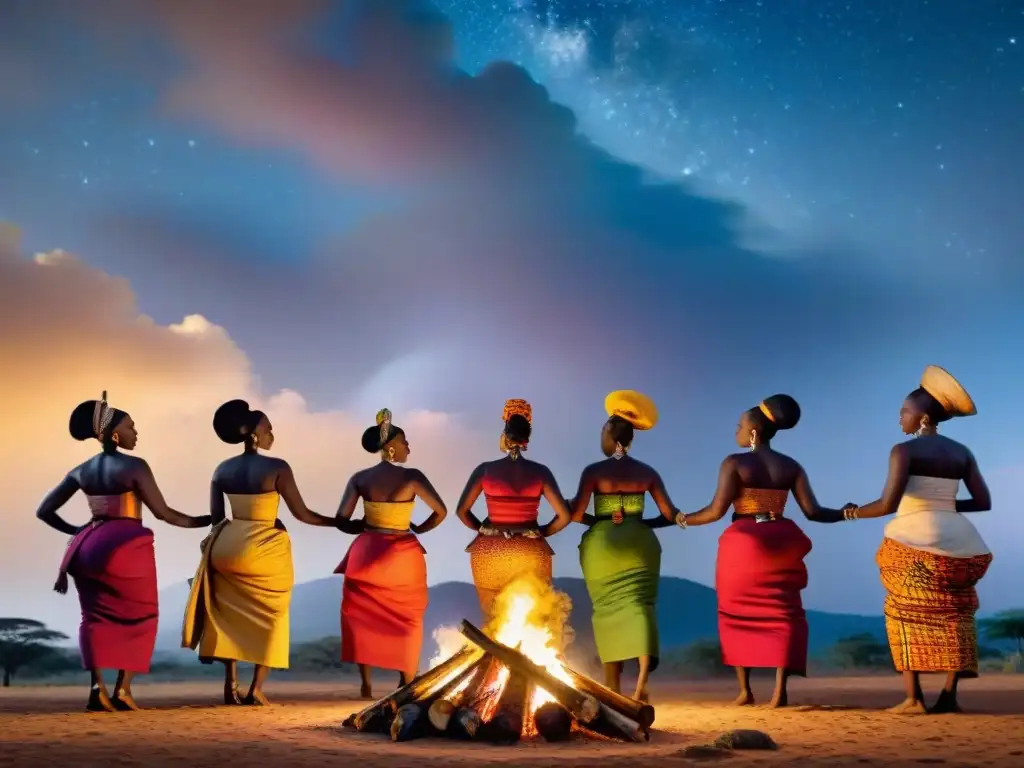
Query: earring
pixel 391 453
pixel 255 441
pixel 753 439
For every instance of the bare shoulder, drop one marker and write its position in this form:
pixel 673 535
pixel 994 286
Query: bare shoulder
pixel 645 469
pixel 414 474
pixel 789 461
pixel 733 460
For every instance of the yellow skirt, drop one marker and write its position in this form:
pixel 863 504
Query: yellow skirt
pixel 929 608
pixel 238 606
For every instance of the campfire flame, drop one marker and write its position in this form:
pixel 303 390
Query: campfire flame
pixel 530 616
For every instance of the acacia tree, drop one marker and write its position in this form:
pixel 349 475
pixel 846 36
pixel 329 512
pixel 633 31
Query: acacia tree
pixel 22 642
pixel 1006 625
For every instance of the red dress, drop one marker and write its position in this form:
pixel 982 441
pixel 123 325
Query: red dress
pixel 114 568
pixel 384 595
pixel 496 561
pixel 759 575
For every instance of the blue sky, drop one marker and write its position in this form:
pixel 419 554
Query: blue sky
pixel 710 202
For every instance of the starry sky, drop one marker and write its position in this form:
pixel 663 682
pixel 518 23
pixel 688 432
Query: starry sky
pixel 437 206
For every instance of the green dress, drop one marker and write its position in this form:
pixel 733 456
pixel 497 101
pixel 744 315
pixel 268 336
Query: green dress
pixel 621 567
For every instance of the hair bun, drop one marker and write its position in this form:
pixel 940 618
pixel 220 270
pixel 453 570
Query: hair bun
pixel 783 410
pixel 80 423
pixel 229 421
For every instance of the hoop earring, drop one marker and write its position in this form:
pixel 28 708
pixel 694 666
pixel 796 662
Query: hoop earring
pixel 753 439
pixel 391 453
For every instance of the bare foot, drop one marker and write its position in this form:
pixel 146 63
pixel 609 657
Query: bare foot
pixel 908 707
pixel 641 694
pixel 231 694
pixel 124 701
pixel 365 692
pixel 99 701
pixel 946 704
pixel 745 699
pixel 256 699
pixel 779 700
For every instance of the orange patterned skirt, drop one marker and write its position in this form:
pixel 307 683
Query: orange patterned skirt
pixel 497 561
pixel 930 607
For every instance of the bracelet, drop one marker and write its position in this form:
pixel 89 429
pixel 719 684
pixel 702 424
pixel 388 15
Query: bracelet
pixel 681 519
pixel 851 514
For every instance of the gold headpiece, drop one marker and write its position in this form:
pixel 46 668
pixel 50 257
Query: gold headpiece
pixel 384 422
pixel 767 412
pixel 940 384
pixel 636 408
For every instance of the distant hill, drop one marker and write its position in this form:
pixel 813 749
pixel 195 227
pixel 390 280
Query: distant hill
pixel 687 612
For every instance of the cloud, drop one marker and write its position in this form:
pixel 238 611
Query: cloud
pixel 73 331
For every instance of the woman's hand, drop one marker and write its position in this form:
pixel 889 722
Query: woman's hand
pixel 486 529
pixel 201 521
pixel 850 511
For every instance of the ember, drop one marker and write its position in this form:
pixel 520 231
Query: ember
pixel 507 684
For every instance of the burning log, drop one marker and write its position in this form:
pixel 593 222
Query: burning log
pixel 377 717
pixel 584 707
pixel 616 726
pixel 506 726
pixel 410 723
pixel 638 711
pixel 553 721
pixel 457 715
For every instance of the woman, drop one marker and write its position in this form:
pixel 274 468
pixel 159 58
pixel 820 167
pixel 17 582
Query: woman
pixel 384 595
pixel 760 570
pixel 619 554
pixel 238 607
pixel 111 558
pixel 510 543
pixel 931 557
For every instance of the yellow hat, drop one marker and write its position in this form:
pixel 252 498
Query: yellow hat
pixel 940 384
pixel 636 408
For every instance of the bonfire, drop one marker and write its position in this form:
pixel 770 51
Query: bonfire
pixel 508 683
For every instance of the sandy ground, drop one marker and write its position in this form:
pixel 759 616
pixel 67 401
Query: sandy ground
pixel 834 722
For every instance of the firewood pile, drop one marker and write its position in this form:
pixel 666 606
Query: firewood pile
pixel 487 692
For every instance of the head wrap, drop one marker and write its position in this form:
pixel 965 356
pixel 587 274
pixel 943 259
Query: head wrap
pixel 514 407
pixel 102 417
pixel 947 391
pixel 631 406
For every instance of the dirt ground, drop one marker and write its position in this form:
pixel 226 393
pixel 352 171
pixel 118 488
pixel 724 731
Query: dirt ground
pixel 834 722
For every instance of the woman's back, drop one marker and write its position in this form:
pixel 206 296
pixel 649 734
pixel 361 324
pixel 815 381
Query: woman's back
pixel 108 474
pixel 625 476
pixel 386 483
pixel 766 470
pixel 248 474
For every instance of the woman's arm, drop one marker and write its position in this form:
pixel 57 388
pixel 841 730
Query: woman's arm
pixel 553 496
pixel 289 490
pixel 426 491
pixel 579 503
pixel 343 517
pixel 725 494
pixel 474 487
pixel 981 499
pixel 665 506
pixel 808 502
pixel 149 492
pixel 56 499
pixel 895 484
pixel 217 511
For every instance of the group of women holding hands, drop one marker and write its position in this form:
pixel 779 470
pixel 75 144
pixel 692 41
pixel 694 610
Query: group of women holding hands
pixel 930 559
